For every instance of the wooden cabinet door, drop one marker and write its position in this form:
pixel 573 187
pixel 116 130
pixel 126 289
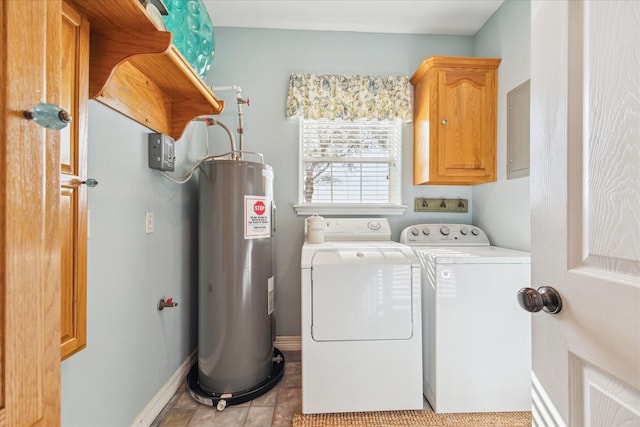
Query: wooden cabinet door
pixel 465 126
pixel 29 216
pixel 73 170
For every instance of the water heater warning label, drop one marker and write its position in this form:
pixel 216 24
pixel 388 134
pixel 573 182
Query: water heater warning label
pixel 257 217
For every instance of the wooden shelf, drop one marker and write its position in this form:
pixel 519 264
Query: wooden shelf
pixel 136 70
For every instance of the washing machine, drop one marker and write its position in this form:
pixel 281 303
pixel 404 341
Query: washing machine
pixel 361 320
pixel 476 339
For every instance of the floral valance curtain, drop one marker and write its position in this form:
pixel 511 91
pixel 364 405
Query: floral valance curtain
pixel 349 97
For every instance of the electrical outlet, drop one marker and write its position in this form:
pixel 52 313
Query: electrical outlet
pixel 148 222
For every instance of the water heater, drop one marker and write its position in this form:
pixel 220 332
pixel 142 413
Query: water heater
pixel 237 360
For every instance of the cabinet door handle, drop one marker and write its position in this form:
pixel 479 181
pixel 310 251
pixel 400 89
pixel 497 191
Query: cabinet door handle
pixel 48 116
pixel 444 121
pixel 89 182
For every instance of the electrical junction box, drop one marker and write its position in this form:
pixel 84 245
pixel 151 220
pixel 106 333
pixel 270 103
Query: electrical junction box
pixel 161 152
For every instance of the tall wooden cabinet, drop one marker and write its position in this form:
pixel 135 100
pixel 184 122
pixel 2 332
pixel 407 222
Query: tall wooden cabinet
pixel 29 216
pixel 455 120
pixel 40 178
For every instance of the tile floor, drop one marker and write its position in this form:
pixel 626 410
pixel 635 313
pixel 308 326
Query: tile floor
pixel 273 409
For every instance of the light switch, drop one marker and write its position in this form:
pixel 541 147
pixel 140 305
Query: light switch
pixel 148 222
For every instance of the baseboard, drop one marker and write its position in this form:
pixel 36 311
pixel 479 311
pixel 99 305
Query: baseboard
pixel 288 342
pixel 162 397
pixel 543 411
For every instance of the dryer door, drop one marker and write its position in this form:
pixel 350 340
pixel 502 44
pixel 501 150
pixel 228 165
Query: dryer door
pixel 361 294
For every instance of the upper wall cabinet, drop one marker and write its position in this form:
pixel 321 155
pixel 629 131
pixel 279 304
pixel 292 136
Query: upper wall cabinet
pixel 455 120
pixel 136 70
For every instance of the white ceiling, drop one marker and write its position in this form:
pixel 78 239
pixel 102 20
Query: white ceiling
pixel 447 17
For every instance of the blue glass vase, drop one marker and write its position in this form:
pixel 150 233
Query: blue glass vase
pixel 190 24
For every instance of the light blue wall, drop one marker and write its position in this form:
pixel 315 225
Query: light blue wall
pixel 260 61
pixel 501 208
pixel 132 348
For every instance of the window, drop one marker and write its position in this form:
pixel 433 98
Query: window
pixel 349 164
pixel 350 142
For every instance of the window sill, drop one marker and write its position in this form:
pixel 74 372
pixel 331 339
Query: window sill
pixel 349 209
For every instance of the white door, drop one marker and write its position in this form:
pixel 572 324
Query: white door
pixel 585 201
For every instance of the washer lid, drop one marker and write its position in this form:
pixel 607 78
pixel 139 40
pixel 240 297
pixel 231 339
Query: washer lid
pixel 472 255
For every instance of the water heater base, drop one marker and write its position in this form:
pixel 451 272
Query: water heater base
pixel 222 400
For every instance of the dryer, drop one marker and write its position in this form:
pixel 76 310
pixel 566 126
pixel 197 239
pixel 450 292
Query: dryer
pixel 361 320
pixel 476 339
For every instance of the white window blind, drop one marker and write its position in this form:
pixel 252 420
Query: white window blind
pixel 350 162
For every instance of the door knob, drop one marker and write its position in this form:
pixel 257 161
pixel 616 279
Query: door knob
pixel 48 116
pixel 545 298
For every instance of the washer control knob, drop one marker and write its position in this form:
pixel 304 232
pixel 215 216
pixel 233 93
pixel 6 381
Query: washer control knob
pixel 414 231
pixel 374 225
pixel 464 231
pixel 444 230
pixel 475 231
pixel 426 231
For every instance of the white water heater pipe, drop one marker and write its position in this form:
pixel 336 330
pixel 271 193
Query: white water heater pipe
pixel 241 101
